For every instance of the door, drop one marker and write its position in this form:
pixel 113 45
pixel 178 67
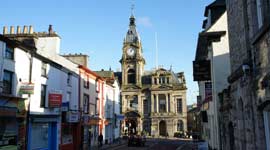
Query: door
pixel 162 128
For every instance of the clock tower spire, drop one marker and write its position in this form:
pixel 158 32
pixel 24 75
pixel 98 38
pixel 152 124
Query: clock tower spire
pixel 132 59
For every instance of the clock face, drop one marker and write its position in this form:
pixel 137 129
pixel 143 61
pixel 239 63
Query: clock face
pixel 131 52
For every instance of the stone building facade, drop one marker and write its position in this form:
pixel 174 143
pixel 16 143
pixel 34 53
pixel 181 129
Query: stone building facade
pixel 152 101
pixel 246 101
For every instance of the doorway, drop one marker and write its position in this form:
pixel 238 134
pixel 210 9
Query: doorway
pixel 162 128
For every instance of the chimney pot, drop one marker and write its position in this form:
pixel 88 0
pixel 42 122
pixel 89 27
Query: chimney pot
pixel 5 30
pixel 24 29
pixel 18 30
pixel 50 29
pixel 11 29
pixel 31 30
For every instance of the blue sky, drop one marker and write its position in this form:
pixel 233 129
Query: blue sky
pixel 97 28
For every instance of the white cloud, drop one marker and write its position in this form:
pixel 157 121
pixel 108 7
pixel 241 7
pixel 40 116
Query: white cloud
pixel 144 21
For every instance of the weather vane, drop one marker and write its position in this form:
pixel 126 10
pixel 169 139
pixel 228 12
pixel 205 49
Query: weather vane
pixel 132 6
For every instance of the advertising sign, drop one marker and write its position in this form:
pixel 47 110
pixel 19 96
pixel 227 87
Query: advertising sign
pixel 72 116
pixel 26 88
pixel 201 70
pixel 55 100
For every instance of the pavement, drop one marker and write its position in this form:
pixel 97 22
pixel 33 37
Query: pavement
pixel 155 143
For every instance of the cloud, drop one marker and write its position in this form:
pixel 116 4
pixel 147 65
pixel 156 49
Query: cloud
pixel 144 21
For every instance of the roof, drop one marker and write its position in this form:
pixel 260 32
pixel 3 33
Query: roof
pixel 202 44
pixel 217 3
pixel 105 74
pixel 27 44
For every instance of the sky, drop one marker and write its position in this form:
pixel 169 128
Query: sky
pixel 97 28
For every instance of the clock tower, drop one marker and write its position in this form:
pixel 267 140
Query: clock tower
pixel 132 61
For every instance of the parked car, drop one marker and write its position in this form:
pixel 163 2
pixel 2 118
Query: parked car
pixel 136 140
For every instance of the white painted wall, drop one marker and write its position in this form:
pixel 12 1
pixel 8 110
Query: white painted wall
pixel 220 70
pixel 49 44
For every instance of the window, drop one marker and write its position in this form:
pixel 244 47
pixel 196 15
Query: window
pixel 145 107
pixel 97 86
pixel 44 69
pixel 162 103
pixel 131 76
pixel 259 13
pixel 43 95
pixel 9 53
pixel 179 105
pixel 180 125
pixel 68 96
pixel 92 109
pixel 168 80
pixel 69 77
pixel 85 103
pixel 7 82
pixel 134 103
pixel 86 82
pixel 155 80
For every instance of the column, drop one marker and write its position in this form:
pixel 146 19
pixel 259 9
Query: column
pixel 157 103
pixel 172 103
pixel 152 103
pixel 167 103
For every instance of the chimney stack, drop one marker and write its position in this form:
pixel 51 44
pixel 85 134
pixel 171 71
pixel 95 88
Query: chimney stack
pixel 11 29
pixel 5 30
pixel 24 29
pixel 50 29
pixel 31 30
pixel 18 30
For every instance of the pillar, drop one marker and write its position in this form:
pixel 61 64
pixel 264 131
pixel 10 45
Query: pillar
pixel 167 103
pixel 157 103
pixel 152 103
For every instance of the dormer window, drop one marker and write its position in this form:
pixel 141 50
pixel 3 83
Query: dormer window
pixel 9 53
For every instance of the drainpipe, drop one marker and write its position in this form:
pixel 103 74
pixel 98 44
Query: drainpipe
pixel 29 97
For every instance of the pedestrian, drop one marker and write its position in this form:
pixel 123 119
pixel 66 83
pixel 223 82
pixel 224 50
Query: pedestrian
pixel 100 139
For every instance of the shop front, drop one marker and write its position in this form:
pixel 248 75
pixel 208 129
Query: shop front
pixel 90 132
pixel 43 132
pixel 11 135
pixel 70 130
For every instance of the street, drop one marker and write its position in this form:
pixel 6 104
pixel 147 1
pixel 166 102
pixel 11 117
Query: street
pixel 162 144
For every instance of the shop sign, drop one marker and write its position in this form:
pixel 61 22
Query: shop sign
pixel 65 106
pixel 55 99
pixel 72 116
pixel 201 70
pixel 26 88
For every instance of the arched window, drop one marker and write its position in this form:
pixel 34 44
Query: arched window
pixel 180 125
pixel 131 76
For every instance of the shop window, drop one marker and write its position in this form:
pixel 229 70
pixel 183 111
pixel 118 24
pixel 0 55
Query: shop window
pixel 67 134
pixel 7 82
pixel 9 53
pixel 40 136
pixel 43 95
